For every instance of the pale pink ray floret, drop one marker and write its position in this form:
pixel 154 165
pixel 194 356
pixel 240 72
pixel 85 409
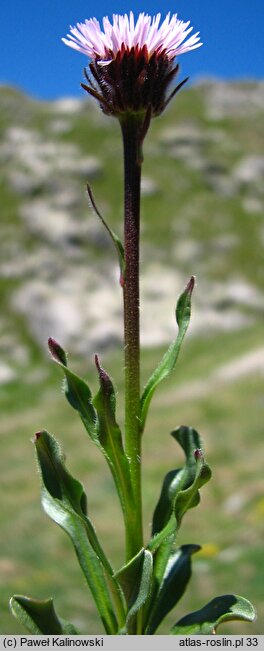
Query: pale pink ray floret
pixel 104 45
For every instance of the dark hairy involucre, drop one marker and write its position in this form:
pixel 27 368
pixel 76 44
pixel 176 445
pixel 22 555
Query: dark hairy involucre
pixel 133 82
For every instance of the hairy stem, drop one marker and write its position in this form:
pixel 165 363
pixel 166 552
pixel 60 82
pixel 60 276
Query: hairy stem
pixel 131 129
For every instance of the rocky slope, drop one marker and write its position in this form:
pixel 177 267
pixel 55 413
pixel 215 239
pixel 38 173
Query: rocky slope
pixel 202 213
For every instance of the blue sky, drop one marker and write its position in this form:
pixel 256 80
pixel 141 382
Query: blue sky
pixel 34 59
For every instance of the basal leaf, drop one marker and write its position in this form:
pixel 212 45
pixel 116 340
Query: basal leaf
pixel 221 609
pixel 176 577
pixel 167 364
pixel 63 500
pixel 39 617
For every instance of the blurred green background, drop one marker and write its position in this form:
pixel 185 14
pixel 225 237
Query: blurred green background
pixel 202 214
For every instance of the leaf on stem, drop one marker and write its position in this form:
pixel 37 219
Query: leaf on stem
pixel 76 390
pixel 167 364
pixel 135 580
pixel 176 577
pixel 222 609
pixel 180 490
pixel 189 497
pixel 64 500
pixel 109 433
pixel 56 479
pixel 98 417
pixel 39 616
pixel 115 239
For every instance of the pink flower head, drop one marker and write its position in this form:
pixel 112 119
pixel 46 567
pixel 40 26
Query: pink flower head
pixel 132 62
pixel 124 33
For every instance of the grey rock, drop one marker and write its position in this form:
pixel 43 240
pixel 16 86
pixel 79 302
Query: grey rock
pixel 250 170
pixel 59 125
pixel 67 106
pixel 253 205
pixel 223 100
pixel 36 163
pixel 149 187
pixel 7 373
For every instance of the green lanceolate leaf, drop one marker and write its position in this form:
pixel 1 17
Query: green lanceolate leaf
pixel 221 609
pixel 189 497
pixel 115 239
pixel 167 364
pixel 98 416
pixel 39 617
pixel 176 577
pixel 178 481
pixel 143 590
pixel 135 580
pixel 56 478
pixel 64 500
pixel 173 482
pixel 185 499
pixel 129 576
pixel 164 525
pixel 180 492
pixel 76 390
pixel 109 434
